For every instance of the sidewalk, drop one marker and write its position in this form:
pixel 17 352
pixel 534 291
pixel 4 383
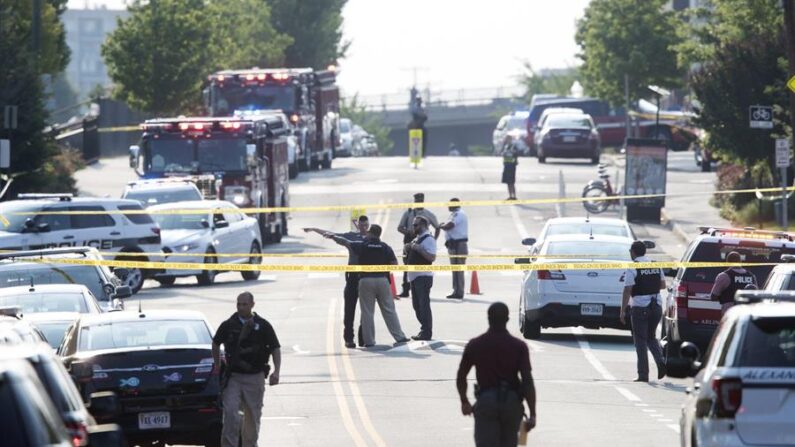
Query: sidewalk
pixel 684 214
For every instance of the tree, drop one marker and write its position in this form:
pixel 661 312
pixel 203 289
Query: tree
pixel 627 37
pixel 556 82
pixel 371 122
pixel 316 29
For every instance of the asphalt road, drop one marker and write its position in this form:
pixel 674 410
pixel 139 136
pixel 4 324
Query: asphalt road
pixel 406 396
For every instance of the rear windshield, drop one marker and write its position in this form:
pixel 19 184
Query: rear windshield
pixel 590 250
pixel 716 252
pixel 136 218
pixel 769 342
pixel 46 302
pixel 154 197
pixel 54 331
pixel 560 120
pixel 25 274
pixel 180 221
pixel 134 334
pixel 585 228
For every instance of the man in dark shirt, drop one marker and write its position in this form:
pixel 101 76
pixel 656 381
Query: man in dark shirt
pixel 249 341
pixel 504 378
pixel 351 293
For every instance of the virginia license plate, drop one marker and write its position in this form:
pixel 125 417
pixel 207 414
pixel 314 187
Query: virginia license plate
pixel 591 309
pixel 569 139
pixel 156 419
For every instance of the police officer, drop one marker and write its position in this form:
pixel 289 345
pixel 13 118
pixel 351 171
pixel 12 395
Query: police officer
pixel 642 293
pixel 421 251
pixel 730 281
pixel 456 240
pixel 374 286
pixel 504 379
pixel 405 228
pixel 510 158
pixel 249 342
pixel 351 292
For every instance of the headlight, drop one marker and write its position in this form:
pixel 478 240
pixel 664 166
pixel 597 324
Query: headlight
pixel 188 247
pixel 237 195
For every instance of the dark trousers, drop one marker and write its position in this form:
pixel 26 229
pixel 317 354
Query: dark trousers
pixel 405 286
pixel 421 301
pixel 644 334
pixel 497 418
pixel 351 295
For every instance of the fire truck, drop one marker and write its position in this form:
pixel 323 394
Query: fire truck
pixel 309 98
pixel 240 160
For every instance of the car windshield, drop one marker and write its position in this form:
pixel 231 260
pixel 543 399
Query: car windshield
pixel 54 331
pixel 34 302
pixel 24 274
pixel 716 252
pixel 155 196
pixel 12 222
pixel 231 98
pixel 589 250
pixel 181 221
pixel 143 333
pixel 769 342
pixel 517 123
pixel 587 228
pixel 559 120
pixel 171 155
pixel 222 154
pixel 345 126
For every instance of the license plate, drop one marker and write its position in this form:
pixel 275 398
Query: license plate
pixel 156 419
pixel 591 309
pixel 569 139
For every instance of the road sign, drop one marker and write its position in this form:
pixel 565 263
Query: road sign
pixel 415 146
pixel 782 153
pixel 791 84
pixel 761 117
pixel 5 153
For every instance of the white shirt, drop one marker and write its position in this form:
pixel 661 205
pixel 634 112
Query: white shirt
pixel 460 229
pixel 429 244
pixel 629 281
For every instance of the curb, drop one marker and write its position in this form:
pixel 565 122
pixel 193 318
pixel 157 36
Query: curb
pixel 674 227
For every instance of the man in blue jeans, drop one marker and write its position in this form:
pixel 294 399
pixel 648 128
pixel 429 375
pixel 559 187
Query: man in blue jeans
pixel 642 293
pixel 421 251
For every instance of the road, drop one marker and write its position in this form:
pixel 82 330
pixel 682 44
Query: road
pixel 406 396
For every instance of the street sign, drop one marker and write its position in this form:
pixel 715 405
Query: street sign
pixel 415 146
pixel 5 153
pixel 782 153
pixel 791 84
pixel 761 117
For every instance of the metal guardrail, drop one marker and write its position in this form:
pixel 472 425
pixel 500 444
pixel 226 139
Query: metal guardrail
pixel 442 98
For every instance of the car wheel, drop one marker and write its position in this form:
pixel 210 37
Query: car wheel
pixel 541 157
pixel 531 330
pixel 207 277
pixel 166 281
pixel 254 259
pixel 135 276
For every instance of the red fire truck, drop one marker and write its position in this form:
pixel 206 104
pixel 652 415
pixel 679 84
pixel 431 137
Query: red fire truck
pixel 247 158
pixel 309 98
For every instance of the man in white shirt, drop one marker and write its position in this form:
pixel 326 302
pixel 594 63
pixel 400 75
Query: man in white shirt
pixel 421 251
pixel 405 228
pixel 456 238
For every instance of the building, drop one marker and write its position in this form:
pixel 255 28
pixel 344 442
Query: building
pixel 86 30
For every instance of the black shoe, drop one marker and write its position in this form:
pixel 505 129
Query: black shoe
pixel 401 342
pixel 369 346
pixel 350 344
pixel 661 371
pixel 641 379
pixel 420 337
pixel 404 294
pixel 456 297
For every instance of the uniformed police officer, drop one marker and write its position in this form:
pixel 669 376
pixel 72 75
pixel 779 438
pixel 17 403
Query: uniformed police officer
pixel 249 342
pixel 502 368
pixel 510 158
pixel 456 240
pixel 642 293
pixel 730 281
pixel 374 286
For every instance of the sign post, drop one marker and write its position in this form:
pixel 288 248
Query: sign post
pixel 783 162
pixel 415 147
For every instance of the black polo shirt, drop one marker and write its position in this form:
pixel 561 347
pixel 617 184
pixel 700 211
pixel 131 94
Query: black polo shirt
pixel 254 349
pixel 373 252
pixel 497 356
pixel 352 236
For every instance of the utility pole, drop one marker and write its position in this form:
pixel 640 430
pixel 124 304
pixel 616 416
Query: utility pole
pixel 35 25
pixel 789 28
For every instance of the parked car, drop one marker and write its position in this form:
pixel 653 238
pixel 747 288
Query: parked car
pixel 346 138
pixel 15 330
pixel 50 298
pixel 511 129
pixel 607 226
pixel 782 277
pixel 222 229
pixel 567 135
pixel 157 191
pixel 543 118
pixel 159 363
pixel 53 325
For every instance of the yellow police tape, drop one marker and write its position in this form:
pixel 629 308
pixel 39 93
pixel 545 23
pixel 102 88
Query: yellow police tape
pixel 335 255
pixel 287 209
pixel 391 268
pixel 119 129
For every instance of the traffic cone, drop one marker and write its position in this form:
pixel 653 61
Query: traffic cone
pixel 474 286
pixel 392 285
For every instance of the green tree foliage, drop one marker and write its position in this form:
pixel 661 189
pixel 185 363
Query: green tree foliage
pixel 316 29
pixel 370 121
pixel 558 83
pixel 627 37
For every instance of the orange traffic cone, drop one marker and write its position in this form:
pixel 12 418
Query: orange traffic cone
pixel 474 286
pixel 392 285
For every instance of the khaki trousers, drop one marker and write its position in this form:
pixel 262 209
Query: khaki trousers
pixel 372 289
pixel 242 392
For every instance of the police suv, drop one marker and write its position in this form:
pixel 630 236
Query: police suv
pixel 744 393
pixel 26 225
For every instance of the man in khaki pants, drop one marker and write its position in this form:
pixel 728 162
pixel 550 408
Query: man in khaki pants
pixel 249 341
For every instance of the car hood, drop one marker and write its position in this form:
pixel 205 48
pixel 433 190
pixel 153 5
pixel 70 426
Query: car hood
pixel 176 237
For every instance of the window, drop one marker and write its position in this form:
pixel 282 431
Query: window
pixel 46 302
pixel 10 419
pixel 22 274
pixel 715 252
pixel 233 216
pixel 56 222
pixel 136 218
pixel 81 221
pixel 769 342
pixel 132 334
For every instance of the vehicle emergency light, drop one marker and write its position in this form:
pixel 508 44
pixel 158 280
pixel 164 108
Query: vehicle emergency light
pixel 281 76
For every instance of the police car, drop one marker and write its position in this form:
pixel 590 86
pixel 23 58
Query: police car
pixel 744 393
pixel 783 275
pixel 157 191
pixel 24 225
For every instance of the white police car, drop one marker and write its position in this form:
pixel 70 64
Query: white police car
pixel 156 191
pixel 744 393
pixel 25 225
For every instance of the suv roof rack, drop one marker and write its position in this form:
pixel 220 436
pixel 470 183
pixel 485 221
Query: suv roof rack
pixel 746 232
pixel 63 197
pixel 44 252
pixel 758 296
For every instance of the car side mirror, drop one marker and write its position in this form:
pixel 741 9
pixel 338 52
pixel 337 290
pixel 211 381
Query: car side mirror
pixel 122 292
pixel 529 241
pixel 106 435
pixel 221 224
pixel 522 261
pixel 205 223
pixel 104 404
pixel 649 244
pixel 135 152
pixel 671 273
pixel 121 273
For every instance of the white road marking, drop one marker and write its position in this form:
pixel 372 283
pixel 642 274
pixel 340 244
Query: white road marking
pixel 673 427
pixel 268 277
pixel 629 395
pixel 586 349
pixel 520 228
pixel 298 350
pixel 512 273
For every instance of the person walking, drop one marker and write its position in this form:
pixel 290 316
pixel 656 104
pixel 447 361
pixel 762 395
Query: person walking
pixel 510 158
pixel 374 286
pixel 642 294
pixel 730 281
pixel 504 379
pixel 351 292
pixel 421 251
pixel 249 342
pixel 456 240
pixel 405 228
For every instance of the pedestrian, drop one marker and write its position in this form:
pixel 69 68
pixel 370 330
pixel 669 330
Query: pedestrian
pixel 421 251
pixel 453 151
pixel 642 294
pixel 405 228
pixel 730 281
pixel 504 379
pixel 510 158
pixel 351 292
pixel 456 240
pixel 249 342
pixel 374 286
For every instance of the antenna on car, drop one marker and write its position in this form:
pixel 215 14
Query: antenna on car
pixel 140 309
pixel 590 235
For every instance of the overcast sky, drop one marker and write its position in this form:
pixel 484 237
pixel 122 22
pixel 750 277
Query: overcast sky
pixel 452 43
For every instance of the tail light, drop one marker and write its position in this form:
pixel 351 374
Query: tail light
pixel 78 433
pixel 729 396
pixel 681 301
pixel 156 230
pixel 551 274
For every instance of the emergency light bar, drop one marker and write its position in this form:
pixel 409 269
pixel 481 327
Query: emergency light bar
pixel 757 296
pixel 231 125
pixel 745 233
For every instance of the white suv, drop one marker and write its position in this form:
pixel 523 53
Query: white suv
pixel 744 393
pixel 156 191
pixel 24 225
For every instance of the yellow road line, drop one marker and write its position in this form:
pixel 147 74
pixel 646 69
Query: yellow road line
pixel 364 416
pixel 342 403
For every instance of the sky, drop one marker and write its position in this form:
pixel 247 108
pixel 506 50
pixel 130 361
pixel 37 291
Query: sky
pixel 453 44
